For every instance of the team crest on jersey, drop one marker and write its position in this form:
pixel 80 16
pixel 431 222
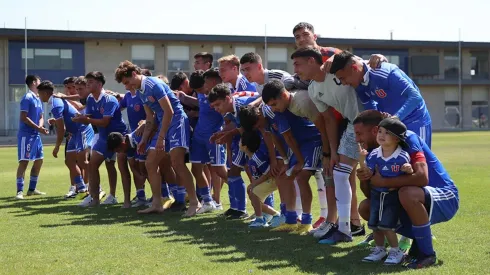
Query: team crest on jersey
pixel 254 171
pixel 137 107
pixel 380 93
pixel 102 110
pixel 151 99
pixel 274 126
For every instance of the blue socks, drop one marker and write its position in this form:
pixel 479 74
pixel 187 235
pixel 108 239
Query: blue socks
pixel 282 206
pixel 270 200
pixel 204 192
pixel 231 193
pixel 20 184
pixel 306 218
pixel 33 183
pixel 165 190
pixel 240 192
pixel 173 189
pixel 291 217
pixel 79 182
pixel 423 237
pixel 140 194
pixel 180 198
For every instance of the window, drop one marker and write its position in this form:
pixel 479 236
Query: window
pixel 143 56
pixel 240 51
pixel 479 65
pixel 451 65
pixel 277 58
pixel 452 117
pixel 217 54
pixel 47 59
pixel 393 59
pixel 178 60
pixel 479 107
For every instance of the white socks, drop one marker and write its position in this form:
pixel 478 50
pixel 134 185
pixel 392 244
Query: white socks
pixel 322 194
pixel 343 194
pixel 299 206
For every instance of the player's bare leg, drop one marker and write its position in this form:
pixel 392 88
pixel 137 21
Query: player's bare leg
pixel 122 164
pixel 219 175
pixel 112 174
pixel 21 169
pixel 184 177
pixel 82 162
pixel 152 162
pixel 96 161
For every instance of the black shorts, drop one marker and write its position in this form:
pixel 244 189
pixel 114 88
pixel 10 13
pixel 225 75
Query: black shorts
pixel 385 208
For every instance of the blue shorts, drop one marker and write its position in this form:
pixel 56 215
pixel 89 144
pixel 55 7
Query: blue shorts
pixel 238 157
pixel 29 147
pixel 81 141
pixel 101 148
pixel 312 153
pixel 206 152
pixel 385 207
pixel 423 131
pixel 441 205
pixel 178 134
pixel 132 154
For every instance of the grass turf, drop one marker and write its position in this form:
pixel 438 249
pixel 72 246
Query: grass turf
pixel 50 235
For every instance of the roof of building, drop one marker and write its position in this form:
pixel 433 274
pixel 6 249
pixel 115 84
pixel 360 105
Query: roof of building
pixel 95 35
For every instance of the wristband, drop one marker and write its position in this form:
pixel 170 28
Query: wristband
pixel 326 155
pixel 286 161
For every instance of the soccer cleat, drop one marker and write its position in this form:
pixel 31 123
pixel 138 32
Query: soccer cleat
pixel 19 196
pixel 285 227
pixel 324 230
pixel 377 254
pixel 101 194
pixel 251 218
pixel 303 229
pixel 276 221
pixel 357 230
pixel 404 244
pixel 139 203
pixel 135 200
pixel 238 215
pixel 319 222
pixel 268 218
pixel 228 212
pixel 167 202
pixel 335 237
pixel 258 223
pixel 35 193
pixel 86 201
pixel 395 256
pixel 367 241
pixel 423 262
pixel 206 207
pixel 72 193
pixel 110 200
pixel 178 207
pixel 218 206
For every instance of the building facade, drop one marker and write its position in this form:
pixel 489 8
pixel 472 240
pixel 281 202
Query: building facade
pixel 55 55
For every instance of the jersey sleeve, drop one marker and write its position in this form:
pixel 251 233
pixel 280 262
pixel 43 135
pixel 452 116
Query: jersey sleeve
pixel 371 160
pixel 321 106
pixel 25 104
pixel 415 149
pixel 157 91
pixel 282 123
pixel 262 163
pixel 89 106
pixel 58 108
pixel 406 90
pixel 110 106
pixel 124 102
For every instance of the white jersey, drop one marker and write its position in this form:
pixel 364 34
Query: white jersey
pixel 301 105
pixel 341 98
pixel 282 76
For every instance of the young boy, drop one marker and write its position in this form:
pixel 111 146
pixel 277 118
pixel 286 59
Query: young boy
pixel 391 161
pixel 262 185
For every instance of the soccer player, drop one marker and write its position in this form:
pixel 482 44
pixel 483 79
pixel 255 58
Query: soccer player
pixel 173 133
pixel 386 89
pixel 326 94
pixel 102 111
pixel 29 144
pixel 221 99
pixel 81 135
pixel 203 61
pixel 202 150
pixel 187 96
pixel 304 140
pixel 392 161
pixel 262 184
pixel 428 196
pixel 229 71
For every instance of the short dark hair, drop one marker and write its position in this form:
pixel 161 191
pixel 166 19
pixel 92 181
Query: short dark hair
pixel 340 61
pixel 46 86
pixel 308 52
pixel 369 117
pixel 31 78
pixel 207 57
pixel 145 72
pixel 251 140
pixel 114 140
pixel 196 81
pixel 81 80
pixel 177 80
pixel 248 116
pixel 303 25
pixel 272 90
pixel 212 73
pixel 253 58
pixel 126 69
pixel 96 75
pixel 69 80
pixel 220 91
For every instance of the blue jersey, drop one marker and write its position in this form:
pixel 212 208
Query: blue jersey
pixel 209 121
pixel 60 108
pixel 259 162
pixel 302 129
pixel 152 90
pixel 238 102
pixel 106 105
pixel 388 167
pixel 242 84
pixel 389 89
pixel 32 105
pixel 419 151
pixel 135 109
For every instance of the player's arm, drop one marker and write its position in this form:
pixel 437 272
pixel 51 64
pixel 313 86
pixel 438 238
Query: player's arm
pixel 24 108
pixel 291 142
pixel 257 102
pixel 149 123
pixel 406 90
pixel 41 120
pixel 187 99
pixel 332 130
pixel 79 106
pixel 322 128
pixel 168 112
pixel 109 110
pixel 60 131
pixel 265 176
pixel 280 147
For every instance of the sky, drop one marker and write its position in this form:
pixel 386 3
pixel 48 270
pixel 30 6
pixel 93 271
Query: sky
pixel 409 20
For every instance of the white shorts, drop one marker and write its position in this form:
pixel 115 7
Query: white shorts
pixel 348 145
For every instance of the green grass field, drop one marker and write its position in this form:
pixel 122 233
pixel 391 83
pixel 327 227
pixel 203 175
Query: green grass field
pixel 50 235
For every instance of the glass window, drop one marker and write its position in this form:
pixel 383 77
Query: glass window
pixel 277 58
pixel 452 117
pixel 30 58
pixel 143 56
pixel 217 54
pixel 451 65
pixel 479 107
pixel 479 65
pixel 48 59
pixel 178 60
pixel 240 51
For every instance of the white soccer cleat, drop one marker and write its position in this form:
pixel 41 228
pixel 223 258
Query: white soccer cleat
pixel 218 206
pixel 72 193
pixel 35 193
pixel 19 196
pixel 322 230
pixel 139 203
pixel 86 201
pixel 206 207
pixel 395 256
pixel 377 254
pixel 110 200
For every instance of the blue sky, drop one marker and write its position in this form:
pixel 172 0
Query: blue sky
pixel 410 19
